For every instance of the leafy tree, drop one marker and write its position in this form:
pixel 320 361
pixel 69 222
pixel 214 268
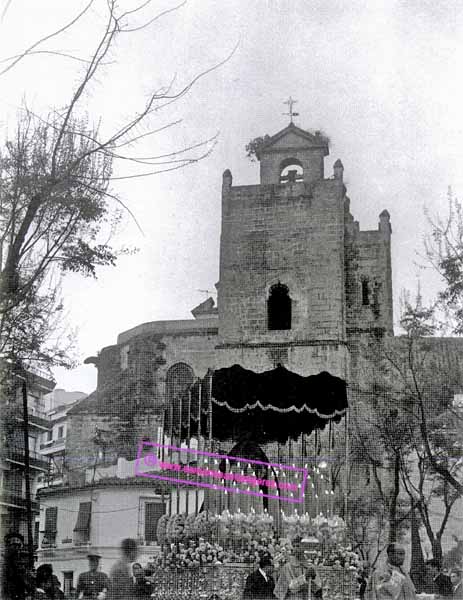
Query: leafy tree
pixel 255 145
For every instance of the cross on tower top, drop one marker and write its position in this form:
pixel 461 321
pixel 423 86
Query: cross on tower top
pixel 291 114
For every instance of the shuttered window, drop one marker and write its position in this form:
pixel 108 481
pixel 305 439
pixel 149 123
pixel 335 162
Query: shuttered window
pixel 82 527
pixel 51 521
pixel 153 511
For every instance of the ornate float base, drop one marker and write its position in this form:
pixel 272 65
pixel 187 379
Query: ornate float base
pixel 228 582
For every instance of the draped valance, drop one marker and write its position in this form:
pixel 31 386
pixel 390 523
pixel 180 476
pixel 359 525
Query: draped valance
pixel 236 403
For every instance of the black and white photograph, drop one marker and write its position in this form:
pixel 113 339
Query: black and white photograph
pixel 231 300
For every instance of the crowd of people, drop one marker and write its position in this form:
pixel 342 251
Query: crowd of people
pixel 297 579
pixel 127 579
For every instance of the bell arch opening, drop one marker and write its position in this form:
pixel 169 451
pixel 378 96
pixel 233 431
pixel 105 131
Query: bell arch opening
pixel 291 171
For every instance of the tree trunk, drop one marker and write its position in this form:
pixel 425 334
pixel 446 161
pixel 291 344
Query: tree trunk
pixel 437 549
pixel 393 522
pixel 417 568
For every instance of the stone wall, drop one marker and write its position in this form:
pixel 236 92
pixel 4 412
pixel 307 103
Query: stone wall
pixel 293 234
pixel 131 394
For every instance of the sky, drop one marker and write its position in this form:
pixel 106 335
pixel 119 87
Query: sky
pixel 381 78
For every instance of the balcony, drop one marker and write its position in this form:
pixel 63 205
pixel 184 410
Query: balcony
pixel 36 417
pixel 40 419
pixel 17 501
pixel 54 445
pixel 16 454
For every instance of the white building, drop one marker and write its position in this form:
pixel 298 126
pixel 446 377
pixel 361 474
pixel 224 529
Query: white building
pixel 113 504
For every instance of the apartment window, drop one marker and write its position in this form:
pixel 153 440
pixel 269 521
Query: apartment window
pixel 82 527
pixel 49 435
pixel 153 512
pixel 61 431
pixel 51 521
pixel 14 482
pixel 36 534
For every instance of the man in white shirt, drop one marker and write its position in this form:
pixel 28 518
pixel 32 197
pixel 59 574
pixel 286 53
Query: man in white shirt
pixel 391 582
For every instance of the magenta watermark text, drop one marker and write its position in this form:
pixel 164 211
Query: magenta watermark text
pixel 235 475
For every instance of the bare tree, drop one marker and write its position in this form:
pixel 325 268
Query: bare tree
pixel 423 486
pixel 444 252
pixel 58 205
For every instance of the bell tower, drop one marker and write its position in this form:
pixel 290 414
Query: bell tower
pixel 281 289
pixel 293 155
pixel 300 283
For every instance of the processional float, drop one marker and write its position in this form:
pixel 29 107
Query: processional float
pixel 272 417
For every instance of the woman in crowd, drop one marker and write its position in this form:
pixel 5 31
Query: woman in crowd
pixel 142 588
pixel 47 584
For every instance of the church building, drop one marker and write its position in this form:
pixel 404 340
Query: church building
pixel 300 284
pixel 301 289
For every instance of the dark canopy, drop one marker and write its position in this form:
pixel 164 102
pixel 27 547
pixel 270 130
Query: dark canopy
pixel 270 406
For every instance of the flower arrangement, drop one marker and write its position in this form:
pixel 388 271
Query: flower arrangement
pixel 204 525
pixel 175 528
pixel 161 529
pixel 342 557
pixel 327 530
pixel 190 529
pixel 243 538
pixel 193 555
pixel 298 525
pixel 239 527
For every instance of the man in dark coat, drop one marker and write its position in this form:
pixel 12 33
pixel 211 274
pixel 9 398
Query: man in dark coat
pixel 121 576
pixel 17 581
pixel 439 583
pixel 260 584
pixel 457 585
pixel 93 583
pixel 142 588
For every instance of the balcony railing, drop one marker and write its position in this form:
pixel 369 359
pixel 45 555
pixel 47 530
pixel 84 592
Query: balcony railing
pixel 39 418
pixel 17 500
pixel 36 460
pixel 33 410
pixel 52 443
pixel 36 417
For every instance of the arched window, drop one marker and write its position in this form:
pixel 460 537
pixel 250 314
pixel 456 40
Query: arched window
pixel 291 171
pixel 365 291
pixel 179 378
pixel 279 307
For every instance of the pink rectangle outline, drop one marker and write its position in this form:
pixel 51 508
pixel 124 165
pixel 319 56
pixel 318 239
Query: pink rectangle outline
pixel 217 487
